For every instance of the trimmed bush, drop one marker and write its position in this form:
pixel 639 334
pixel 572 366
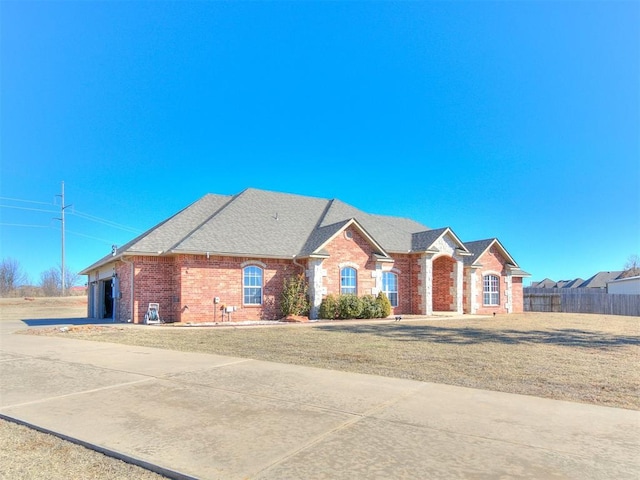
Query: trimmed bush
pixel 384 304
pixel 344 307
pixel 328 308
pixel 349 306
pixel 370 307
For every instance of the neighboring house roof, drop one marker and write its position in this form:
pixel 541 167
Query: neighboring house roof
pixel 600 279
pixel 546 283
pixel 575 283
pixel 260 223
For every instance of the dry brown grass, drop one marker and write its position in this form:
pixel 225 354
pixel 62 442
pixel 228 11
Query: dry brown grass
pixel 583 358
pixel 29 454
pixel 567 357
pixel 575 357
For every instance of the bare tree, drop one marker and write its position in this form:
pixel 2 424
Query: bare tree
pixel 632 266
pixel 51 280
pixel 11 276
pixel 70 278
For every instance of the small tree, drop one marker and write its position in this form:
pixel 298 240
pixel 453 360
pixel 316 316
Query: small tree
pixel 50 282
pixel 631 267
pixel 11 276
pixel 294 300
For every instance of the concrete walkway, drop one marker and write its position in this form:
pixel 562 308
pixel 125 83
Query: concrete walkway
pixel 214 417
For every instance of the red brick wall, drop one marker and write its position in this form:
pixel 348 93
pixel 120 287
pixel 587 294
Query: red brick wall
pixel 518 299
pixel 417 287
pixel 406 293
pixel 492 262
pixel 154 283
pixel 123 270
pixel 202 279
pixel 356 250
pixel 443 283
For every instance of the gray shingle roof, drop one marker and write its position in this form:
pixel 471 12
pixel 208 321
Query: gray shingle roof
pixel 477 248
pixel 575 283
pixel 600 279
pixel 259 223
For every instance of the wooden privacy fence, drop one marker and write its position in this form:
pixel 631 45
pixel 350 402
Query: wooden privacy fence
pixel 580 300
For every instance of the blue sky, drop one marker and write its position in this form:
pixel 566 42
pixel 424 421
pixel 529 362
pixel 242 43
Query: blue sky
pixel 516 120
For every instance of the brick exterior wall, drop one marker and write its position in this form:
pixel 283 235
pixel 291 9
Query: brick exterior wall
pixel 355 250
pixel 185 285
pixel 443 284
pixel 202 279
pixel 518 295
pixel 492 262
pixel 405 267
pixel 154 283
pixel 123 271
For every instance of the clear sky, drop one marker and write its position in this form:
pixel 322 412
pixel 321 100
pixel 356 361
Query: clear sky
pixel 517 120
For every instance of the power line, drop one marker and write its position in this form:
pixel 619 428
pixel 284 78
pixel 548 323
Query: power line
pixel 86 216
pixel 28 208
pixel 89 236
pixel 104 221
pixel 25 201
pixel 23 225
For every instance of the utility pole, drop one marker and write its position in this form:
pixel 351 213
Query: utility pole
pixel 62 209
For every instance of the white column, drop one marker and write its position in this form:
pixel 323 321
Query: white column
pixel 458 281
pixel 473 291
pixel 508 293
pixel 377 275
pixel 426 276
pixel 316 288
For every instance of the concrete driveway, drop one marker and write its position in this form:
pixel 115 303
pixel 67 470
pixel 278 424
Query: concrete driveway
pixel 212 417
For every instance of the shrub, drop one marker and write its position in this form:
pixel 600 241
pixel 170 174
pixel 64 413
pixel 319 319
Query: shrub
pixel 328 307
pixel 294 300
pixel 370 307
pixel 349 306
pixel 384 305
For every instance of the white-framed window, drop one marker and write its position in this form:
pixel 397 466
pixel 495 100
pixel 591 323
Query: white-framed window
pixel 390 287
pixel 491 290
pixel 252 285
pixel 348 284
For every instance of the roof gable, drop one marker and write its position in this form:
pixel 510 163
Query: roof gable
pixel 330 232
pixel 425 240
pixel 479 247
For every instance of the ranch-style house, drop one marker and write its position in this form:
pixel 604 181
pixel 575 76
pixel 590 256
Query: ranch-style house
pixel 230 255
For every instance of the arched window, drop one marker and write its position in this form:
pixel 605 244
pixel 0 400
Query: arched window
pixel 390 287
pixel 252 285
pixel 491 290
pixel 348 281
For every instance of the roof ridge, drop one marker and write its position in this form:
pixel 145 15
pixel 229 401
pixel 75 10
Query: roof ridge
pixel 317 226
